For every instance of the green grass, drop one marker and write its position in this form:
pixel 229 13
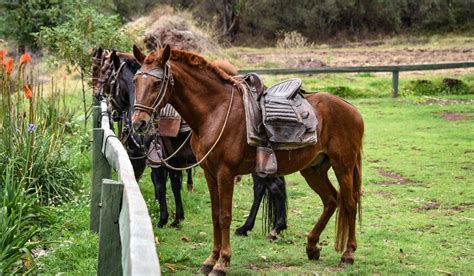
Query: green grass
pixel 423 225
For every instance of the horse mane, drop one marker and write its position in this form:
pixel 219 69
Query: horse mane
pixel 193 60
pixel 129 60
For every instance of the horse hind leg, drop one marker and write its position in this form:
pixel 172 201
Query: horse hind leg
pixel 189 183
pixel 159 177
pixel 318 180
pixel 176 180
pixel 349 178
pixel 259 184
pixel 279 204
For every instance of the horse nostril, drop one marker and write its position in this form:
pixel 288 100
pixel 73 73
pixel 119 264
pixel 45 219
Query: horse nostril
pixel 139 125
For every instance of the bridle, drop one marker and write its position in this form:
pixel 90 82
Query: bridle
pixel 166 80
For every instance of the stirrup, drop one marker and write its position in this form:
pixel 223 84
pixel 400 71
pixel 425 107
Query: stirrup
pixel 266 162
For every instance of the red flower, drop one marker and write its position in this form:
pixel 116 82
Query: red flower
pixel 25 58
pixel 9 66
pixel 3 54
pixel 27 91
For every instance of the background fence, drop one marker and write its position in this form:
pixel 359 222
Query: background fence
pixel 394 69
pixel 118 210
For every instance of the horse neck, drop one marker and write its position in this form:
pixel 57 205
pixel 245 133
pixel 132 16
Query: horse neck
pixel 127 89
pixel 199 96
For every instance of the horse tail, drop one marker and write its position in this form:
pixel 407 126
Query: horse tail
pixel 344 211
pixel 273 205
pixel 268 214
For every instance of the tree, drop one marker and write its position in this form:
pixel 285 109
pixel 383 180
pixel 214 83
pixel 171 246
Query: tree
pixel 83 30
pixel 22 19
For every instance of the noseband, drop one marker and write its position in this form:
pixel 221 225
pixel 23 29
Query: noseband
pixel 167 80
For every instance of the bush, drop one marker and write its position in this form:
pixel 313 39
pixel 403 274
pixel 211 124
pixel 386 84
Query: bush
pixel 19 216
pixel 292 40
pixel 441 87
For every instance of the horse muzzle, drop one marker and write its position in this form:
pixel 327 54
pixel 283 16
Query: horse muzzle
pixel 140 121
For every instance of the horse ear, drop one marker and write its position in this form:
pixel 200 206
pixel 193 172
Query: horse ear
pixel 99 51
pixel 139 56
pixel 115 60
pixel 166 54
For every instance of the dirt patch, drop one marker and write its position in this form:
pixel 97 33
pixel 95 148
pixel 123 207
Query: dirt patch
pixel 463 206
pixel 432 101
pixel 365 57
pixel 305 63
pixel 396 179
pixel 432 205
pixel 333 269
pixel 454 116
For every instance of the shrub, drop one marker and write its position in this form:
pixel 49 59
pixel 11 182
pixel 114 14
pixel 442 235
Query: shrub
pixel 292 40
pixel 440 87
pixel 19 216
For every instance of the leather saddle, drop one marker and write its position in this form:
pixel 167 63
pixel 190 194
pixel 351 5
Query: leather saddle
pixel 278 117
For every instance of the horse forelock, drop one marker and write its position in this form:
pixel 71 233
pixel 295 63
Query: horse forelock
pixel 191 59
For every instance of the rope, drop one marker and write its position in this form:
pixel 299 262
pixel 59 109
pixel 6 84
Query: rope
pixel 213 146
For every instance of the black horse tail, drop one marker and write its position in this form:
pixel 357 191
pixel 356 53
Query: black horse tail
pixel 274 199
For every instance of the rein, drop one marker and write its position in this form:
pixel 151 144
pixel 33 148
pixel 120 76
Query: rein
pixel 213 146
pixel 167 78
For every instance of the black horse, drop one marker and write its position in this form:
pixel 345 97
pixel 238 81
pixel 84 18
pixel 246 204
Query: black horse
pixel 117 71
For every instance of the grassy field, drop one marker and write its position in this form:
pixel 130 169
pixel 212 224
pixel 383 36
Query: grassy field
pixel 418 174
pixel 418 203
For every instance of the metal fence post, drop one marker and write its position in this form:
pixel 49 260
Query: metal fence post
pixel 395 83
pixel 100 170
pixel 110 248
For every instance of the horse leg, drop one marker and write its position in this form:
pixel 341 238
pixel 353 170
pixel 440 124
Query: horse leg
pixel 226 190
pixel 159 177
pixel 349 178
pixel 278 194
pixel 258 192
pixel 139 166
pixel 189 183
pixel 176 180
pixel 209 263
pixel 318 180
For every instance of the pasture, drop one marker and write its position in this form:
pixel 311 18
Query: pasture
pixel 417 204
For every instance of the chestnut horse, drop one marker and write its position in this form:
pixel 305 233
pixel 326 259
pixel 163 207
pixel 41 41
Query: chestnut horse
pixel 211 102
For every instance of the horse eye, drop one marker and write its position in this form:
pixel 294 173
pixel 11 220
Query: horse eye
pixel 157 83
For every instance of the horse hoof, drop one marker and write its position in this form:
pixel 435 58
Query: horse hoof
pixel 241 232
pixel 346 260
pixel 217 272
pixel 206 269
pixel 313 253
pixel 190 188
pixel 271 237
pixel 175 224
pixel 162 224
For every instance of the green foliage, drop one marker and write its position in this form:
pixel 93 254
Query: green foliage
pixel 83 30
pixel 436 87
pixel 263 21
pixel 19 216
pixel 22 19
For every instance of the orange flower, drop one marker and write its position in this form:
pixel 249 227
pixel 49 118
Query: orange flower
pixel 9 66
pixel 3 54
pixel 25 58
pixel 27 91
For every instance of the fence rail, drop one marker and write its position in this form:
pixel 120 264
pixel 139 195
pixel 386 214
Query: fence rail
pixel 118 211
pixel 394 69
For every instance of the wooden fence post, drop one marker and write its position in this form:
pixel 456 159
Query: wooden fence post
pixel 100 170
pixel 110 248
pixel 395 83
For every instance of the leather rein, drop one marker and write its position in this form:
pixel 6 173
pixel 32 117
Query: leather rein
pixel 167 79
